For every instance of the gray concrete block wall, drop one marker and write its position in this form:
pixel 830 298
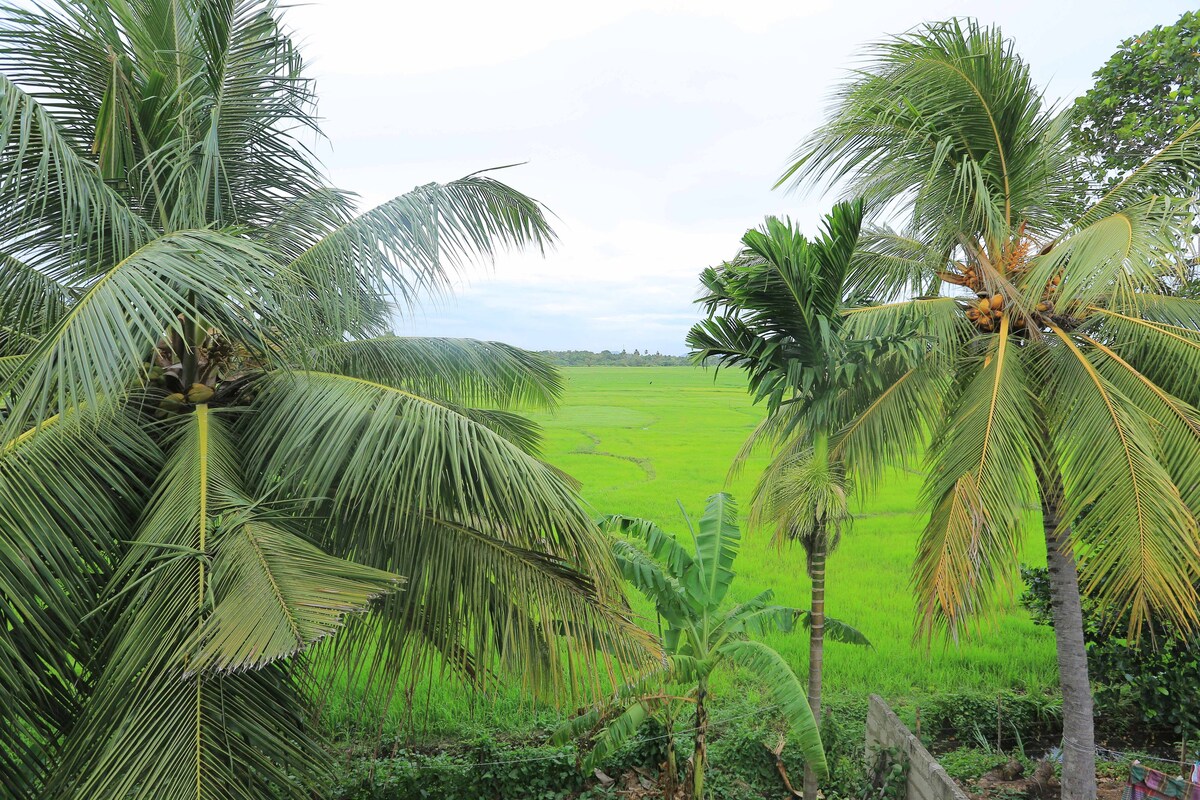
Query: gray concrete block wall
pixel 927 780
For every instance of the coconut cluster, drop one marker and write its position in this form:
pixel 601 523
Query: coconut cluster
pixel 988 307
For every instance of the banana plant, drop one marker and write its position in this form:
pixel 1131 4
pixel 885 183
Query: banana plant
pixel 688 587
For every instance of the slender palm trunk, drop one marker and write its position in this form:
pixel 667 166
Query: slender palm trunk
pixel 700 754
pixel 1079 743
pixel 816 641
pixel 672 782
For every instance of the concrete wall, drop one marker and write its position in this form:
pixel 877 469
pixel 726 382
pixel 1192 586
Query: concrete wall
pixel 927 780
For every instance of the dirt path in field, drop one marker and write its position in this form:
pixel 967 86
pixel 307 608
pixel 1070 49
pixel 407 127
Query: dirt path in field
pixel 646 464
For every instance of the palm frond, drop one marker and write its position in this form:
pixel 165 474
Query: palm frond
pixel 414 488
pixel 459 371
pixel 979 485
pixel 1181 155
pixel 1140 538
pixel 1000 157
pixel 275 595
pixel 1115 258
pixel 893 425
pixel 785 689
pixel 149 730
pixel 410 244
pixel 66 494
pixel 96 350
pixel 1161 336
pixel 888 265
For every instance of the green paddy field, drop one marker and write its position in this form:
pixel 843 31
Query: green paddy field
pixel 641 440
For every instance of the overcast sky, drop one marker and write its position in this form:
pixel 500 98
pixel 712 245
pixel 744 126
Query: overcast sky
pixel 653 129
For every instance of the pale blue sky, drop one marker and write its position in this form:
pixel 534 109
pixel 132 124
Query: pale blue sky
pixel 653 129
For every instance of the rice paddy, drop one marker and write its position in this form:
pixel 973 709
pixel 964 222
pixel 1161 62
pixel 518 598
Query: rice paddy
pixel 642 440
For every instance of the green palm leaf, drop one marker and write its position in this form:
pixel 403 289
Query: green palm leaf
pixel 95 351
pixel 409 245
pixel 1120 495
pixel 979 487
pixel 415 488
pixel 150 730
pixel 275 595
pixel 459 371
pixel 786 690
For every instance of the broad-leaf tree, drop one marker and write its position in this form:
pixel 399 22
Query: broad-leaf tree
pixel 1058 376
pixel 688 587
pixel 1145 95
pixel 212 453
pixel 776 311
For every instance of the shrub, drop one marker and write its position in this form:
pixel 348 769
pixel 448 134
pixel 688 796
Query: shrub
pixel 1154 683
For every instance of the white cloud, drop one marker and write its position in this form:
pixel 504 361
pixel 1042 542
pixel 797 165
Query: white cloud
pixel 653 128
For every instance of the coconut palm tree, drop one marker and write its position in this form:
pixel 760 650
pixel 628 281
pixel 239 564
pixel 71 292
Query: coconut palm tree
pixel 1058 373
pixel 212 454
pixel 777 311
pixel 688 588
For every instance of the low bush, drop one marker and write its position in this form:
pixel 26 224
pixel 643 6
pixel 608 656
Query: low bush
pixel 1147 690
pixel 1007 722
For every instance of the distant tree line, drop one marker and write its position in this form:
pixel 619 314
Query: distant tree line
pixel 607 358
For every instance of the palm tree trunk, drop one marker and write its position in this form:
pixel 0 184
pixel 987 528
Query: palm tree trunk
pixel 1079 743
pixel 672 782
pixel 700 754
pixel 816 641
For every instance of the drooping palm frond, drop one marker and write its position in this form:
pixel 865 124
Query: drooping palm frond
pixel 415 488
pixel 980 484
pixel 30 300
pixel 1143 551
pixel 891 427
pixel 1159 336
pixel 458 371
pixel 889 266
pixel 58 512
pixel 149 729
pixel 276 595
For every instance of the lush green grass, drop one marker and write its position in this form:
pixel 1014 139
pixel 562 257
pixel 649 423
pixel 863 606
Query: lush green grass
pixel 642 438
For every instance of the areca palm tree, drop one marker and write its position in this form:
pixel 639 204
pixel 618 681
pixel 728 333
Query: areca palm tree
pixel 777 311
pixel 212 453
pixel 688 588
pixel 1058 372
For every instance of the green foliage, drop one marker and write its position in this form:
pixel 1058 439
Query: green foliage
pixel 1152 685
pixel 971 763
pixel 687 587
pixel 213 456
pixel 1002 722
pixel 1144 97
pixel 607 358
